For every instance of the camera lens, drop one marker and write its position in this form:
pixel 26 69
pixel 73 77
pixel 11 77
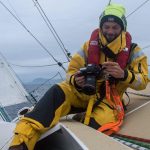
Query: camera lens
pixel 90 85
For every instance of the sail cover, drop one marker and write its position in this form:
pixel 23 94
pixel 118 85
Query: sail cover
pixel 11 90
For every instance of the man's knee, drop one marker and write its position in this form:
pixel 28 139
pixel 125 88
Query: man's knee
pixel 54 91
pixel 44 111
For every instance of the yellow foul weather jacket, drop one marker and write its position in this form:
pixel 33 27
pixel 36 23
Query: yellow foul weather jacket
pixel 137 76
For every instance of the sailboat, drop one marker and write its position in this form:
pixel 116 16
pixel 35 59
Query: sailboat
pixel 69 134
pixel 63 136
pixel 18 95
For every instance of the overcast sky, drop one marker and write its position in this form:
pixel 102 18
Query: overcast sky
pixel 73 20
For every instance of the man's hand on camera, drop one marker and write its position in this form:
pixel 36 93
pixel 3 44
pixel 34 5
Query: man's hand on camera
pixel 79 79
pixel 113 69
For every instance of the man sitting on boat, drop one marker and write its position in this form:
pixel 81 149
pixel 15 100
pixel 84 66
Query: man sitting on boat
pixel 97 78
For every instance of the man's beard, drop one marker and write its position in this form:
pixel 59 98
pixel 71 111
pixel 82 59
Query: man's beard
pixel 110 37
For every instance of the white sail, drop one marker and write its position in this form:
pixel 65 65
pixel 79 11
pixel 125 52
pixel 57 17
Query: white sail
pixel 11 90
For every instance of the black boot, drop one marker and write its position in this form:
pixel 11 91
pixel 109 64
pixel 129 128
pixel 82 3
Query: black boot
pixel 19 147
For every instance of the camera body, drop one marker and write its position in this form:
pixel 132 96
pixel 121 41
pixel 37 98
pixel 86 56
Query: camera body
pixel 91 73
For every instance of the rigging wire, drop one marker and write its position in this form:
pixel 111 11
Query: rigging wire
pixel 137 8
pixel 15 12
pixel 44 83
pixel 60 76
pixel 109 2
pixel 19 20
pixel 44 48
pixel 32 66
pixel 52 29
pixel 146 47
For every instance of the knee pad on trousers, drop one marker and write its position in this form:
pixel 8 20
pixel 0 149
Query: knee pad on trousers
pixel 44 111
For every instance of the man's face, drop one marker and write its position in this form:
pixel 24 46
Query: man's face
pixel 111 30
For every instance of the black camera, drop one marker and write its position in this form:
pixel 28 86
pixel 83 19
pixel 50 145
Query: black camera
pixel 91 73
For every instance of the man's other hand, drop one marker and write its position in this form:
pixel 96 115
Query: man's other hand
pixel 113 69
pixel 79 79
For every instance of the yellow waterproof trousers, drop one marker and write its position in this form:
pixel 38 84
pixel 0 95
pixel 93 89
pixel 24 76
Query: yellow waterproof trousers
pixel 59 101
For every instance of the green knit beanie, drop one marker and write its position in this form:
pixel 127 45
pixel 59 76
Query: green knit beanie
pixel 114 13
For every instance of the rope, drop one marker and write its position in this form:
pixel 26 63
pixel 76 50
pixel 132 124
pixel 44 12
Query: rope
pixel 137 108
pixel 130 144
pixel 134 140
pixel 145 95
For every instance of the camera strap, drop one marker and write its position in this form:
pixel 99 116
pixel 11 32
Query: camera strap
pixel 92 104
pixel 116 103
pixel 89 109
